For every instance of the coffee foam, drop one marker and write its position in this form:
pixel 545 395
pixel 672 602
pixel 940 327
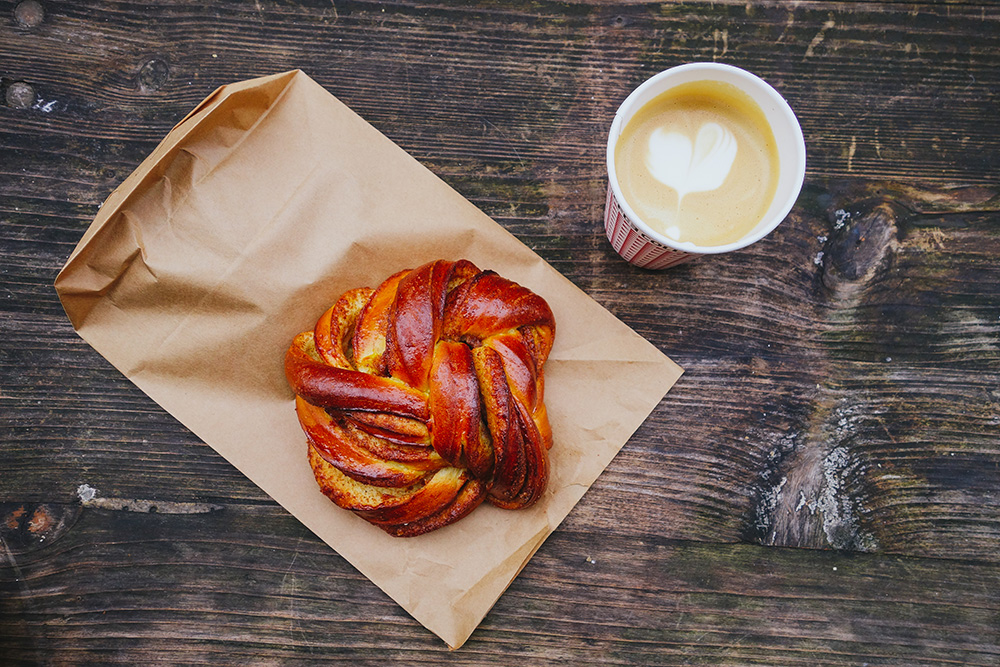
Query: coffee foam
pixel 686 166
pixel 626 228
pixel 699 164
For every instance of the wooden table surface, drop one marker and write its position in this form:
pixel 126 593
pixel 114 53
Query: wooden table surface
pixel 821 487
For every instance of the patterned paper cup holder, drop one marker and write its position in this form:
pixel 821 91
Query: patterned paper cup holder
pixel 635 240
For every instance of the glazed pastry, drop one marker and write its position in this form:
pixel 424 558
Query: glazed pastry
pixel 423 397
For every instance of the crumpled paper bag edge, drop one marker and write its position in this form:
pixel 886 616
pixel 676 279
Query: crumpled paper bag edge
pixel 176 137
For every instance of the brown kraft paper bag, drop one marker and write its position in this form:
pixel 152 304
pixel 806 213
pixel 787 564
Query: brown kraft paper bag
pixel 262 206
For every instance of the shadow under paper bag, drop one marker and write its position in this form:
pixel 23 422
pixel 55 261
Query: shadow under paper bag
pixel 252 216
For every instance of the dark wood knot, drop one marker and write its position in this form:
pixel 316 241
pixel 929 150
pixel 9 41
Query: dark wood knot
pixel 860 241
pixel 27 527
pixel 152 75
pixel 29 14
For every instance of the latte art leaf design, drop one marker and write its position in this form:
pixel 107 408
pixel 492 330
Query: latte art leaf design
pixel 689 167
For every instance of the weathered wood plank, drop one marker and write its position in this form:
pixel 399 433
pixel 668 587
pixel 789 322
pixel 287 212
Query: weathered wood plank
pixel 841 385
pixel 814 372
pixel 528 85
pixel 806 422
pixel 245 582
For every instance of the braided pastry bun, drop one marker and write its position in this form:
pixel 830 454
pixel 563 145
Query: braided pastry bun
pixel 422 398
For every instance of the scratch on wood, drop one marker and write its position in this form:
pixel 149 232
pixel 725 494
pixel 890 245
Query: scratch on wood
pixel 285 588
pixel 788 24
pixel 289 588
pixel 506 138
pixel 9 557
pixel 151 506
pixel 724 36
pixel 818 39
pixel 850 153
pixel 88 498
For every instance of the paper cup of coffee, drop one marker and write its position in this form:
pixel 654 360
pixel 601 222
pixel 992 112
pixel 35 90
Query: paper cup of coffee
pixel 703 158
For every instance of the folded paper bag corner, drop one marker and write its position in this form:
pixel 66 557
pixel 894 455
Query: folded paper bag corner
pixel 252 215
pixel 103 255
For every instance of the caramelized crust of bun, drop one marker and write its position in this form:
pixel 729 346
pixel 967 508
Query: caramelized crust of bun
pixel 423 397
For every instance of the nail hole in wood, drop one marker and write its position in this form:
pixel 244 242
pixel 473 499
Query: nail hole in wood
pixel 152 75
pixel 20 95
pixel 29 14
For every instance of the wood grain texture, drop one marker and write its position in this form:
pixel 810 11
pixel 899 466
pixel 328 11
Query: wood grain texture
pixel 841 401
pixel 199 588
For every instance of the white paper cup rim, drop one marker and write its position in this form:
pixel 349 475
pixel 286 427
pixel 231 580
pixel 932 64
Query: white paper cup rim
pixel 780 116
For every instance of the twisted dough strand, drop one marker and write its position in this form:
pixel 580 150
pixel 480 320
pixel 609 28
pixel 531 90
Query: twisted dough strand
pixel 423 397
